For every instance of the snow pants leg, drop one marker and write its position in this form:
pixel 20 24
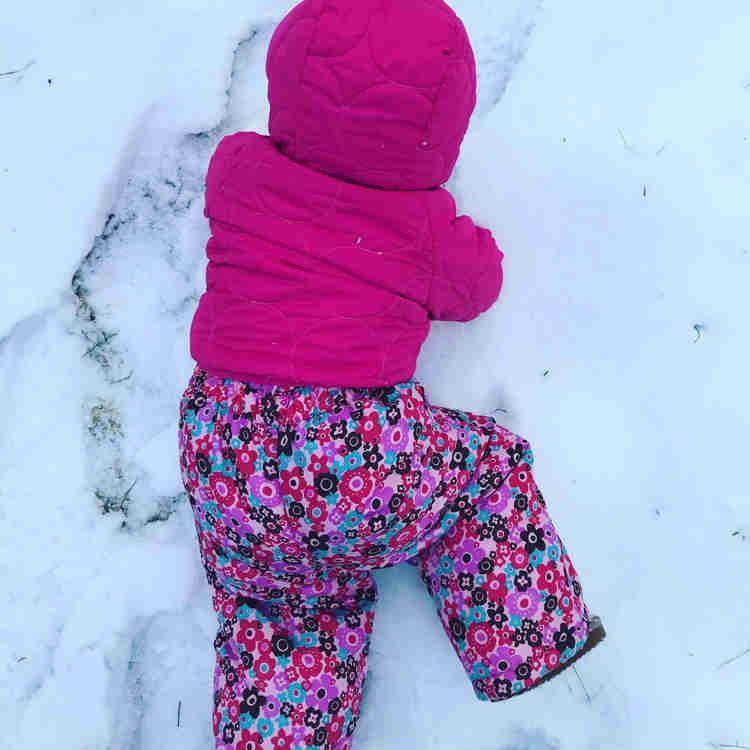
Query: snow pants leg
pixel 506 591
pixel 289 673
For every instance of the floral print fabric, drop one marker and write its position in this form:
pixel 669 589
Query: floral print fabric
pixel 299 493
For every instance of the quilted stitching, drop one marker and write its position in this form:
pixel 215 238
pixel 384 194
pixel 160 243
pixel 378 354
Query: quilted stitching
pixel 378 92
pixel 328 255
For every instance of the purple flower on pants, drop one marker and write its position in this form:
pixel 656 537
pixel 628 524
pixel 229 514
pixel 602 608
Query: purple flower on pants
pixel 504 662
pixel 523 603
pixel 467 556
pixel 322 692
pixel 396 438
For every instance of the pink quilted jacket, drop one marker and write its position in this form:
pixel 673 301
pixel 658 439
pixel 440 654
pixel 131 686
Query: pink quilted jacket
pixel 332 244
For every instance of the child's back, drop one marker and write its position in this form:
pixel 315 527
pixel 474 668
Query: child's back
pixel 312 280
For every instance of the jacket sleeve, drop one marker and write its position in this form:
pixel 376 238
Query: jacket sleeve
pixel 467 263
pixel 219 165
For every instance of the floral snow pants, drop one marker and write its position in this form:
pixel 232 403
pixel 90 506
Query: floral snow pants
pixel 298 493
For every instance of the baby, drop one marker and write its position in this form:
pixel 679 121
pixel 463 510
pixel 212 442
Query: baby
pixel 310 454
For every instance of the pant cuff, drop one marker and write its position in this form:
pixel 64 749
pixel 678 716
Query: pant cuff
pixel 495 689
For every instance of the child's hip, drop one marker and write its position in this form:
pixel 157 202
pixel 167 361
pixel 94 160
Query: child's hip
pixel 287 480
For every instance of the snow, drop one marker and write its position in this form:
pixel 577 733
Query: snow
pixel 610 154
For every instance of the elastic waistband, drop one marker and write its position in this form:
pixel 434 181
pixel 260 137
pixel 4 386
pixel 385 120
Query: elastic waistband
pixel 281 402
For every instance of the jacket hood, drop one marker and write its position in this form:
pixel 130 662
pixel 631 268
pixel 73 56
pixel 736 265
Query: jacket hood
pixel 377 92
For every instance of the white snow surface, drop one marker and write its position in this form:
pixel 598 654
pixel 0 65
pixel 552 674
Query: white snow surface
pixel 610 155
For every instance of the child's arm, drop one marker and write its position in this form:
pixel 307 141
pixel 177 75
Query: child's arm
pixel 221 162
pixel 467 263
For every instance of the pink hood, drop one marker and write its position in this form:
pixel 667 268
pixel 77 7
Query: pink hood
pixel 317 275
pixel 377 92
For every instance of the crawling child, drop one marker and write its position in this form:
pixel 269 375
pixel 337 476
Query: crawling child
pixel 310 454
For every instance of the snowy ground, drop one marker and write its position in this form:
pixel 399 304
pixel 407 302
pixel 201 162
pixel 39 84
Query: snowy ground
pixel 610 154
